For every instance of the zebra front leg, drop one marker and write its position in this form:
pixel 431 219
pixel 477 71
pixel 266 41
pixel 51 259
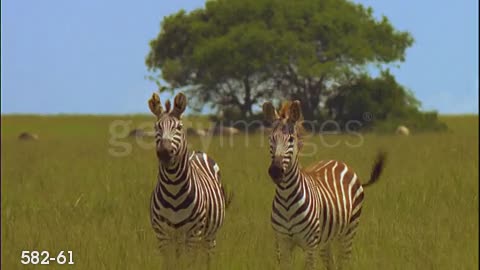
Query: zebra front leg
pixel 201 254
pixel 327 257
pixel 168 258
pixel 284 248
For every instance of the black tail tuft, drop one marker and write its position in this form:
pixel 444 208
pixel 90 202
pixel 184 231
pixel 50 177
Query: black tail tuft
pixel 228 197
pixel 377 168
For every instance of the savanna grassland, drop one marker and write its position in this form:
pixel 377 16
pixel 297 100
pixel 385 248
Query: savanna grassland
pixel 80 188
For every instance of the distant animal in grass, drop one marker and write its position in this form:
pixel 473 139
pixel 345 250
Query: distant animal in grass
pixel 140 133
pixel 27 136
pixel 136 133
pixel 201 132
pixel 264 130
pixel 402 130
pixel 223 131
pixel 196 132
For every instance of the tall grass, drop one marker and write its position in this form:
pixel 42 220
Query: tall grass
pixel 68 192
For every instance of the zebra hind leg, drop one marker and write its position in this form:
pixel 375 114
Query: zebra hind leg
pixel 209 252
pixel 310 260
pixel 345 249
pixel 327 257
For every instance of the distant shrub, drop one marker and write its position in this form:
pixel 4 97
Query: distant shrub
pixel 379 104
pixel 416 123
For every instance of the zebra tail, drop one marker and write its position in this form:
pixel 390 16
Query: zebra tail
pixel 377 168
pixel 228 197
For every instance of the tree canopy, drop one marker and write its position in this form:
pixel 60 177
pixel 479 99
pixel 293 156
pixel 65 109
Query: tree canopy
pixel 382 95
pixel 241 52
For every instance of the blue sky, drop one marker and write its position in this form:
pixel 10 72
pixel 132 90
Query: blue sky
pixel 88 56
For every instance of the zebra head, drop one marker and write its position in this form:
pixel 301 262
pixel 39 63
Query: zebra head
pixel 169 135
pixel 284 138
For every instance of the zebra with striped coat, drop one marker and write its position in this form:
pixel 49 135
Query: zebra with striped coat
pixel 188 204
pixel 312 207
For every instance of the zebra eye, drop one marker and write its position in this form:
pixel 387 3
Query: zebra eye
pixel 290 140
pixel 179 126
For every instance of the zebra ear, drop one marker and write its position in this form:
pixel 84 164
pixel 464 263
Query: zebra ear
pixel 179 105
pixel 295 111
pixel 270 114
pixel 155 105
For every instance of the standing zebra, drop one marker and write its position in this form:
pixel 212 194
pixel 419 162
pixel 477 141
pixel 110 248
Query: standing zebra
pixel 312 207
pixel 188 204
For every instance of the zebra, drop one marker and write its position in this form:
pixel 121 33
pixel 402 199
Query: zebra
pixel 313 207
pixel 187 206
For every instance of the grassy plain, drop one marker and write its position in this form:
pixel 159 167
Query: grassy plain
pixel 78 188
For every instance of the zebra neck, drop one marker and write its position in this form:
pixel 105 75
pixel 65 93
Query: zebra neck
pixel 178 171
pixel 291 179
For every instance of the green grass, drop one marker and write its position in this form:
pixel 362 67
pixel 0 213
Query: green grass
pixel 68 192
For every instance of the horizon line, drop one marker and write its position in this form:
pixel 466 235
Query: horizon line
pixel 148 114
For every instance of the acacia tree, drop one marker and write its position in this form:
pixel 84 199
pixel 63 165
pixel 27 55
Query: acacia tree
pixel 220 57
pixel 336 40
pixel 238 52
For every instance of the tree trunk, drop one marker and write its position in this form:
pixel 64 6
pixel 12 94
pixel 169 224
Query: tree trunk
pixel 247 103
pixel 308 109
pixel 309 97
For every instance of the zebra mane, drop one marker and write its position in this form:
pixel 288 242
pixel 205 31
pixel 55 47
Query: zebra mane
pixel 283 112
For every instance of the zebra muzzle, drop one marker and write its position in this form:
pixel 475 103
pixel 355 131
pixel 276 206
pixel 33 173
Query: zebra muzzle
pixel 276 169
pixel 165 151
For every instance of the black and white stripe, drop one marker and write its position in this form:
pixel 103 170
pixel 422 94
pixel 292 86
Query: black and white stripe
pixel 188 204
pixel 313 207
